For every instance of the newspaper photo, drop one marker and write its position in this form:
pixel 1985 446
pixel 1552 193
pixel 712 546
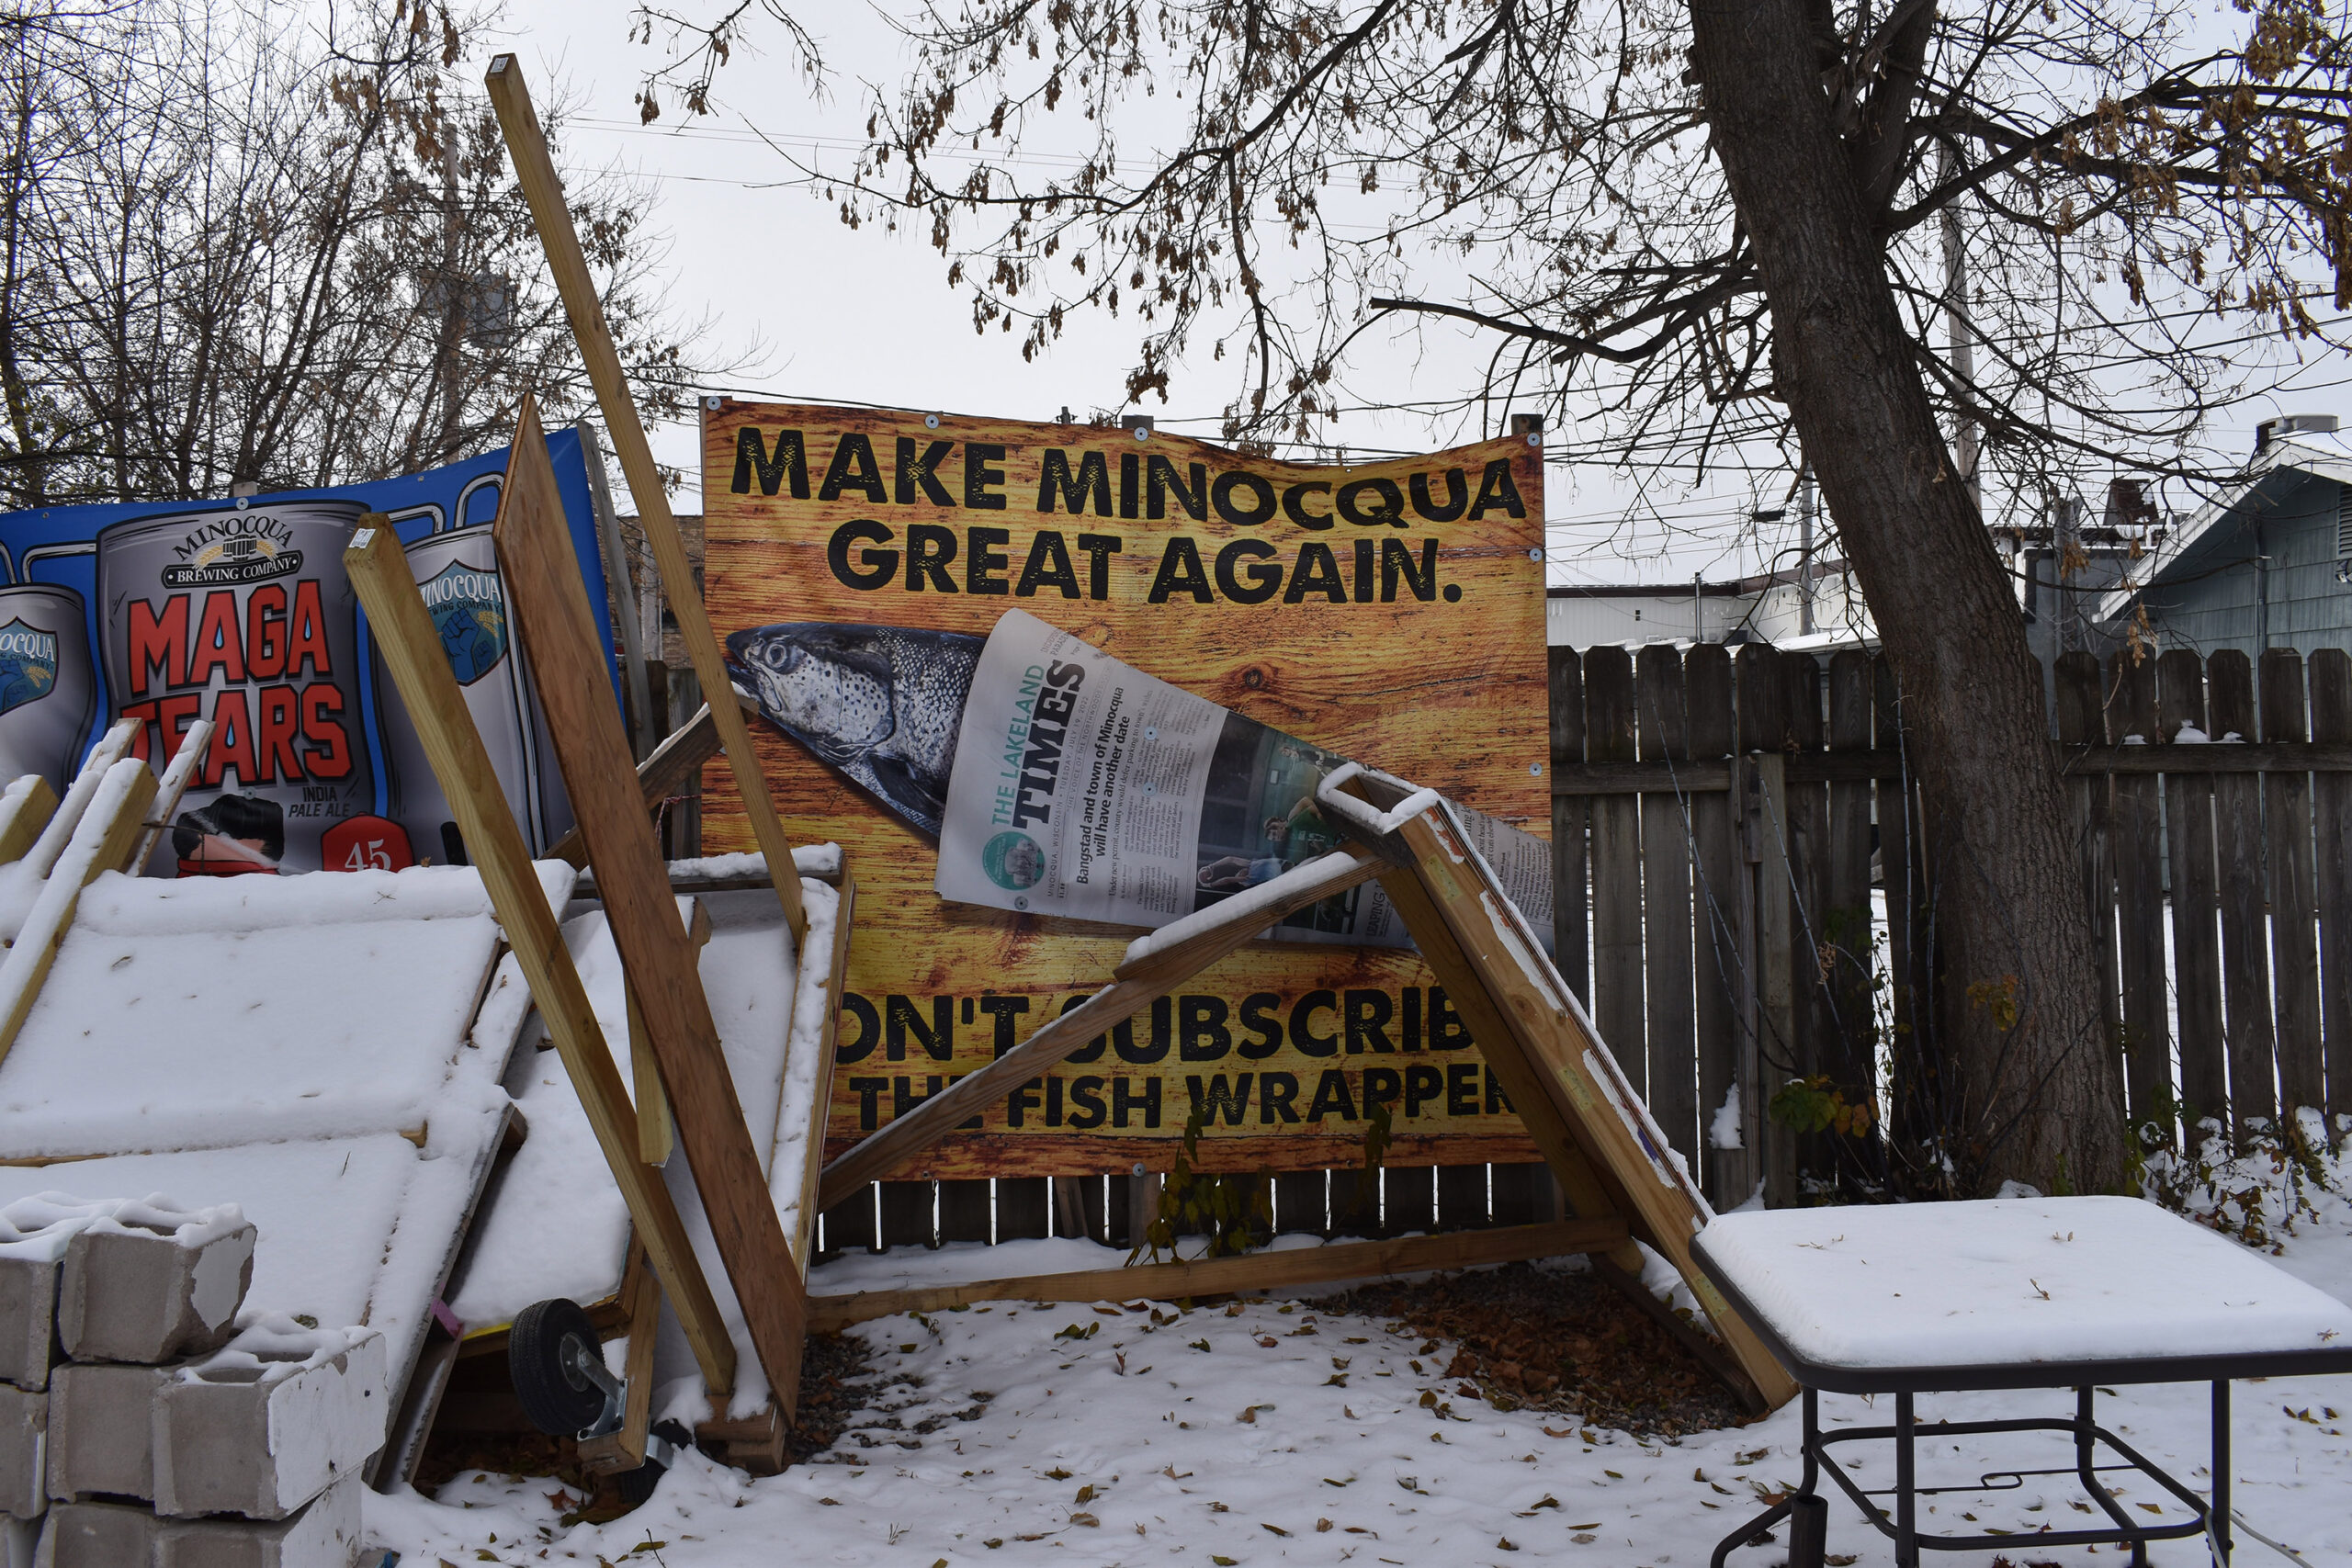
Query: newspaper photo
pixel 1083 786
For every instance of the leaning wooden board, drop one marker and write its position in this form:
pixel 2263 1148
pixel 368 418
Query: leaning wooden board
pixel 818 514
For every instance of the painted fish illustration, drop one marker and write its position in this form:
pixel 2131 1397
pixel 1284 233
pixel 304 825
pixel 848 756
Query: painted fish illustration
pixel 881 704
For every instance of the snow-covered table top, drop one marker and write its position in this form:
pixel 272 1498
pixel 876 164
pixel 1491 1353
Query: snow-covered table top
pixel 2016 1293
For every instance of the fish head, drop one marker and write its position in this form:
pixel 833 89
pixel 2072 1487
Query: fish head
pixel 828 686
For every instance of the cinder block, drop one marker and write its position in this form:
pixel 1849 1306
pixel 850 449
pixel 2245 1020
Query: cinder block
pixel 152 1284
pixel 267 1424
pixel 27 1315
pixel 24 1463
pixel 112 1535
pixel 98 1535
pixel 100 1424
pixel 34 1235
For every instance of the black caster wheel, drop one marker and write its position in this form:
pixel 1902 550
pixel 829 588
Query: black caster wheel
pixel 543 1352
pixel 637 1486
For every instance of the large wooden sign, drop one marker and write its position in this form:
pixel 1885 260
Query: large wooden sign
pixel 1391 611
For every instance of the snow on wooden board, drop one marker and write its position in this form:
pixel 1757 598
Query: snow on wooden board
pixel 208 1013
pixel 352 1230
pixel 556 1225
pixel 2013 1281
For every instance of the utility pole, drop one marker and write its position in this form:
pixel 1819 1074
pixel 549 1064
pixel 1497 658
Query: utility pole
pixel 1961 335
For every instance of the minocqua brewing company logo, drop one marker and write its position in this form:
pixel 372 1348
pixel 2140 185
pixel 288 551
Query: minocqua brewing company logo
pixel 1013 860
pixel 469 609
pixel 28 665
pixel 247 547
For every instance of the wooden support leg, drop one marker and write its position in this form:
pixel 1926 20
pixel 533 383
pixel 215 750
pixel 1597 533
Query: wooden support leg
pixel 1561 1079
pixel 549 602
pixel 411 648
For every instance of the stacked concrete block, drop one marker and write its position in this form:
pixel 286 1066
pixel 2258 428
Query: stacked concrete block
pixel 150 1283
pixel 324 1530
pixel 152 1429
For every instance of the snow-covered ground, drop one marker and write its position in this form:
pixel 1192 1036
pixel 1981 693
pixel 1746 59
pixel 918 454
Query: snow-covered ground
pixel 1267 1433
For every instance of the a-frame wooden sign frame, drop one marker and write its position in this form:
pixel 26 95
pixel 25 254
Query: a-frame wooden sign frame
pixel 1614 1167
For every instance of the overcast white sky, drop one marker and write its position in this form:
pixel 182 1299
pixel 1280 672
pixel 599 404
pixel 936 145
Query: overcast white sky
pixel 866 315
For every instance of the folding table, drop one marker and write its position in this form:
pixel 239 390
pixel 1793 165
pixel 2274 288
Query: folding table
pixel 2061 1292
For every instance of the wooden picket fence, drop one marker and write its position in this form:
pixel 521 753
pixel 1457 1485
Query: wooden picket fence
pixel 1718 818
pixel 1745 896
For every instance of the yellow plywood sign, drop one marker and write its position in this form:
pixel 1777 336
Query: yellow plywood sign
pixel 1391 611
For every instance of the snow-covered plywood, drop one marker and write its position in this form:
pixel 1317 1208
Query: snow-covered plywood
pixel 2013 1282
pixel 556 1225
pixel 207 1013
pixel 353 1230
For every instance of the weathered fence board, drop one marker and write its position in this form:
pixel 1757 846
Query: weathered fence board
pixel 1617 983
pixel 2294 895
pixel 1669 1023
pixel 2196 895
pixel 2139 845
pixel 2331 692
pixel 2245 944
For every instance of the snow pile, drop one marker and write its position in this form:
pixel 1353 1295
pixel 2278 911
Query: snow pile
pixel 1017 1434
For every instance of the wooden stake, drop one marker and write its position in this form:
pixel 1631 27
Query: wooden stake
pixel 548 601
pixel 535 171
pixel 112 747
pixel 811 1135
pixel 411 650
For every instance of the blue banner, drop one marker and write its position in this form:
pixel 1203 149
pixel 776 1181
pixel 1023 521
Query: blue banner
pixel 239 612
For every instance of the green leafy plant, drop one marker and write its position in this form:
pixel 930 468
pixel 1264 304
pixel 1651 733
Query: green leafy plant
pixel 1232 1211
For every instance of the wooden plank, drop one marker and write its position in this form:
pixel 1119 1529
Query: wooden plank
pixel 1524 1193
pixel 1906 921
pixel 2331 683
pixel 1807 828
pixel 2196 896
pixel 1571 850
pixel 2139 850
pixel 657 1129
pixel 1541 1023
pixel 535 172
pixel 1408 1199
pixel 849 1222
pixel 1299 1198
pixel 1670 1019
pixel 2294 900
pixel 1247 1271
pixel 1851 1049
pixel 23 812
pixel 549 604
pixel 906 1214
pixel 667 770
pixel 1135 984
pixel 112 747
pixel 625 1450
pixel 184 763
pixel 1021 1208
pixel 1617 980
pixel 411 650
pixel 1763 739
pixel 1722 898
pixel 102 839
pixel 2245 927
pixel 811 1141
pixel 1461 1197
pixel 2082 721
pixel 966 1211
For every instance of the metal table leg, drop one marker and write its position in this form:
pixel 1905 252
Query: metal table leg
pixel 1907 1500
pixel 2086 1466
pixel 2218 1521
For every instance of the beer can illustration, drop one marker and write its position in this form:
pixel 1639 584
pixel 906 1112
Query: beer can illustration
pixel 242 616
pixel 46 684
pixel 457 575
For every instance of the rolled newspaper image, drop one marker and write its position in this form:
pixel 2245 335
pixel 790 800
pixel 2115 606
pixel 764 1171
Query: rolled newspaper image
pixel 1058 780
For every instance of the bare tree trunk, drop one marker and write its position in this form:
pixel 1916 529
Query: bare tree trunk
pixel 2040 1091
